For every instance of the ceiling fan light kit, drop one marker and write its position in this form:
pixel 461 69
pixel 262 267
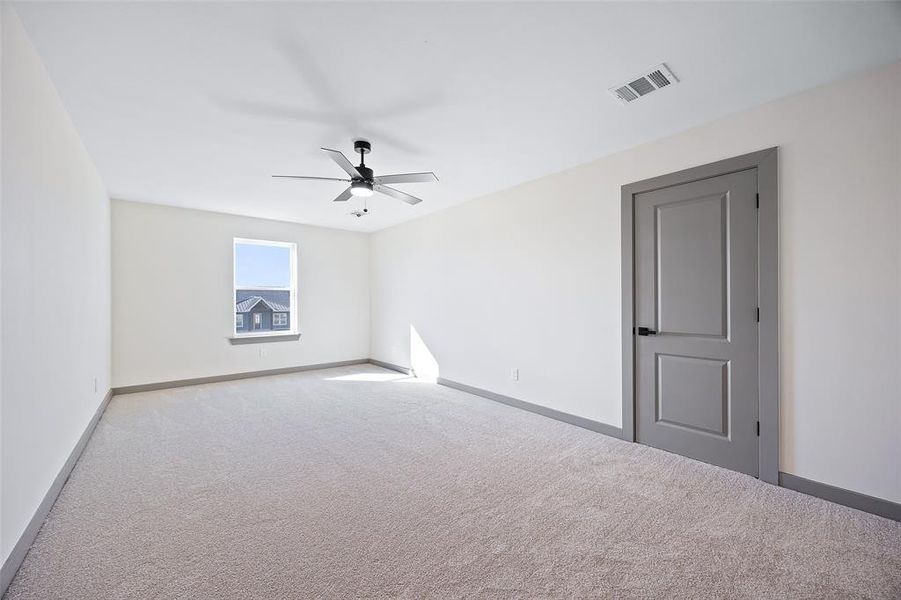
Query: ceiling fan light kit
pixel 360 188
pixel 364 182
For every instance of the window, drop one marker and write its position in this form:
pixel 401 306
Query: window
pixel 265 285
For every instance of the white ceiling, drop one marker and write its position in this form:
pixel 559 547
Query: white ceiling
pixel 196 104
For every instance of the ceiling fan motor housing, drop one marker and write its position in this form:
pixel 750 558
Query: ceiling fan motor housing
pixel 365 172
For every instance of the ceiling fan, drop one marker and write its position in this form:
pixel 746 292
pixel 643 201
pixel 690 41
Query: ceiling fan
pixel 363 181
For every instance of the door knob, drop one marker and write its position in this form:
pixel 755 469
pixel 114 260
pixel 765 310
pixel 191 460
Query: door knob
pixel 646 331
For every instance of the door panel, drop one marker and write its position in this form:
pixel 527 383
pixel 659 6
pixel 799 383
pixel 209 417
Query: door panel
pixel 693 393
pixel 696 286
pixel 691 253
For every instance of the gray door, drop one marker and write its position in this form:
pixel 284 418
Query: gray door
pixel 696 295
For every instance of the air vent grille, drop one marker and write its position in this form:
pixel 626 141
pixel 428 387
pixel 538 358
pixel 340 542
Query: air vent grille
pixel 626 94
pixel 658 77
pixel 642 86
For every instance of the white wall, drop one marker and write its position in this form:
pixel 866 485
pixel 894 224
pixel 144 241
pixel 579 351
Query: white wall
pixel 173 303
pixel 530 278
pixel 54 284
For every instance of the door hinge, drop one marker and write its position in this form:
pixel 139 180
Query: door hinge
pixel 758 314
pixel 758 428
pixel 758 200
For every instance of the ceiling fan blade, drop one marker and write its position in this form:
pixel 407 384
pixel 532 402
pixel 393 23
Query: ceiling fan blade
pixel 307 177
pixel 345 164
pixel 408 178
pixel 389 191
pixel 345 195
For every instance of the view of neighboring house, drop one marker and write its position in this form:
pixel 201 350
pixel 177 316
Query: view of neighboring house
pixel 262 310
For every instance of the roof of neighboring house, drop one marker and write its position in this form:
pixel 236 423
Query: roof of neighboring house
pixel 279 296
pixel 247 305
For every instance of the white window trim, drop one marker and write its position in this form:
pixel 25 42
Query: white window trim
pixel 239 320
pixel 282 319
pixel 292 289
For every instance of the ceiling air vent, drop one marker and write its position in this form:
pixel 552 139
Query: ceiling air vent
pixel 658 77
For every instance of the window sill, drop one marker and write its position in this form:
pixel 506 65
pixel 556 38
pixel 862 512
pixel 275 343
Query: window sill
pixel 260 338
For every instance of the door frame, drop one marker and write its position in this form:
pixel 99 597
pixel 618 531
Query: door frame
pixel 766 163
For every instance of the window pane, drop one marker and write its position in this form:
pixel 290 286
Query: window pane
pixel 259 266
pixel 263 281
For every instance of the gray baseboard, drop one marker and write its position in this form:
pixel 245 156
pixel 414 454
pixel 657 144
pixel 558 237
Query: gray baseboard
pixel 544 411
pixel 165 385
pixel 870 504
pixel 17 556
pixel 387 365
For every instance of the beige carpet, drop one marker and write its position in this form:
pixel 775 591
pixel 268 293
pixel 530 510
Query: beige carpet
pixel 356 482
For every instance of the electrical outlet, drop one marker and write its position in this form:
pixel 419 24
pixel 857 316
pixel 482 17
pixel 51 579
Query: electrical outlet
pixel 262 352
pixel 514 374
